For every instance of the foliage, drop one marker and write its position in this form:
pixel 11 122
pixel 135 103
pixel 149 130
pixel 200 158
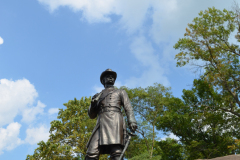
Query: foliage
pixel 235 146
pixel 207 40
pixel 147 103
pixel 68 135
pixel 202 134
pixel 202 130
pixel 137 146
pixel 145 156
pixel 170 149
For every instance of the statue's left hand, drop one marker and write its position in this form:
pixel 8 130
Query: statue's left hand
pixel 133 127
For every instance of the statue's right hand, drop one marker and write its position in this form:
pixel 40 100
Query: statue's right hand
pixel 133 127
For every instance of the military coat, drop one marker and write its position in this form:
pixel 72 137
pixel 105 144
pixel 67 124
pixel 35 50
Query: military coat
pixel 110 121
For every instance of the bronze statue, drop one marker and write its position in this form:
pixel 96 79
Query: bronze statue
pixel 108 136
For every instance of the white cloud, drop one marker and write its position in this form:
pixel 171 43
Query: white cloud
pixel 15 98
pixel 158 23
pixel 133 13
pixel 167 15
pixel 171 135
pixel 1 40
pixel 52 111
pixel 149 60
pixel 93 11
pixel 35 135
pixel 18 98
pixel 29 114
pixel 118 84
pixel 9 137
pixel 171 17
pixel 97 89
pixel 144 52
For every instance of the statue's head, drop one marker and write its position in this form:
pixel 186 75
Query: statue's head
pixel 108 77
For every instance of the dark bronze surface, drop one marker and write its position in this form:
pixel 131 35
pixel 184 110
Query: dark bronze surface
pixel 110 129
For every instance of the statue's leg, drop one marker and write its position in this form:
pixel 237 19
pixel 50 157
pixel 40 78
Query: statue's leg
pixel 116 150
pixel 93 148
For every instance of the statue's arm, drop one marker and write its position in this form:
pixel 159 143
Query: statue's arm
pixel 93 108
pixel 92 112
pixel 127 107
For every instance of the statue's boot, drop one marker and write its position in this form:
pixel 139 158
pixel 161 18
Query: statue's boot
pixel 92 157
pixel 116 151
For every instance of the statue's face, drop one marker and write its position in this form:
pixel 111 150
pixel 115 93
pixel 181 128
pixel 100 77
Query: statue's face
pixel 109 79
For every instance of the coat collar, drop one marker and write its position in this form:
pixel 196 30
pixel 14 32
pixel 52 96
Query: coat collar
pixel 109 88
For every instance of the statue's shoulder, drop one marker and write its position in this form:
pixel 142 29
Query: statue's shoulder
pixel 116 90
pixel 121 91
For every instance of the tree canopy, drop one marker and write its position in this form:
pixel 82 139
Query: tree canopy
pixel 207 41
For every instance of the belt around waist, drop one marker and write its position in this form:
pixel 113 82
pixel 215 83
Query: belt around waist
pixel 109 109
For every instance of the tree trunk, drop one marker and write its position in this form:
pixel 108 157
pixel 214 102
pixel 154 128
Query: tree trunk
pixel 152 141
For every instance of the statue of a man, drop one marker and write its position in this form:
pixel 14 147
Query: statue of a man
pixel 110 130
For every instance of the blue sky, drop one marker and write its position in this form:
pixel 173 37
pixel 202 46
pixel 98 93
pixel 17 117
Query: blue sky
pixel 52 51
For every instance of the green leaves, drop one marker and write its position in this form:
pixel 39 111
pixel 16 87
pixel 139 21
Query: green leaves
pixel 204 131
pixel 148 104
pixel 170 149
pixel 68 135
pixel 207 37
pixel 214 99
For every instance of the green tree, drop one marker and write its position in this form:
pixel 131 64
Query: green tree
pixel 202 134
pixel 202 129
pixel 170 149
pixel 207 40
pixel 68 135
pixel 147 103
pixel 145 156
